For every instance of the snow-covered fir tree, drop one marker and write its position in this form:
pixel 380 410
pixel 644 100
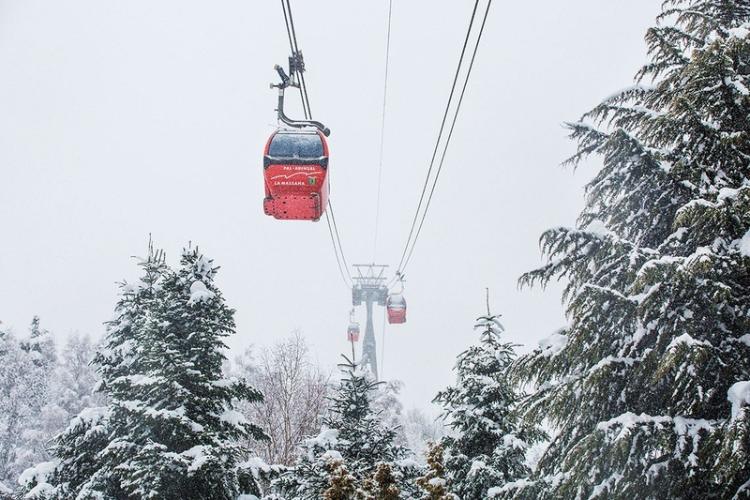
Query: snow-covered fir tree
pixel 29 415
pixel 40 345
pixel 382 484
pixel 647 387
pixel 341 485
pixel 170 430
pixel 38 396
pixel 80 469
pixel 353 439
pixel 433 484
pixel 488 444
pixel 49 418
pixel 14 397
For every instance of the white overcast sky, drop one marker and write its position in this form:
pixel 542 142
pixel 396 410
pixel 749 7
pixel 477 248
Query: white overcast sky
pixel 120 119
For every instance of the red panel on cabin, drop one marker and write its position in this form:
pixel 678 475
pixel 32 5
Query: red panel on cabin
pixel 297 192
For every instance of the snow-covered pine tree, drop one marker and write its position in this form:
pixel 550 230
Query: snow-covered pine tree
pixel 433 483
pixel 171 428
pixel 382 485
pixel 341 484
pixel 29 417
pixel 80 470
pixel 658 273
pixel 14 394
pixel 181 431
pixel 48 418
pixel 352 435
pixel 488 445
pixel 71 420
pixel 40 345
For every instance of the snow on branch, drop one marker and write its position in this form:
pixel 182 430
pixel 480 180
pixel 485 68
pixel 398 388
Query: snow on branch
pixel 199 293
pixel 739 396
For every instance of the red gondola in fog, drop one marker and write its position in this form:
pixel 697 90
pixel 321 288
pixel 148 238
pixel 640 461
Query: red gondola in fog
pixel 295 170
pixel 352 333
pixel 396 307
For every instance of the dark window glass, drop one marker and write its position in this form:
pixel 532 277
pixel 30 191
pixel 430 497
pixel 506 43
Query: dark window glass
pixel 296 146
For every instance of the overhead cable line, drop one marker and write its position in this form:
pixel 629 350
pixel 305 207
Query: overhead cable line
pixel 336 251
pixel 303 84
pixel 440 134
pixel 413 235
pixel 382 129
pixel 292 34
pixel 450 134
pixel 338 240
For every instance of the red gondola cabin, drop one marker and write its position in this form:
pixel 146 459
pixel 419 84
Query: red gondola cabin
pixel 352 333
pixel 295 170
pixel 396 307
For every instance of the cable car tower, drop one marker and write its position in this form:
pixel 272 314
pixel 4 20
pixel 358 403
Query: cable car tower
pixel 369 288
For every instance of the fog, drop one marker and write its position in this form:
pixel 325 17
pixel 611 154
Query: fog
pixel 120 120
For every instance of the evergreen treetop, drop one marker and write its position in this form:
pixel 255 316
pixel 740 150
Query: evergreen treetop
pixel 433 483
pixel 488 444
pixel 170 429
pixel 353 443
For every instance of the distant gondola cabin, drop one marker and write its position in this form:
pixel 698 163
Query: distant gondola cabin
pixel 352 333
pixel 396 308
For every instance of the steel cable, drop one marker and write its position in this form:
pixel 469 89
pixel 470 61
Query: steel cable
pixel 382 129
pixel 440 134
pixel 450 134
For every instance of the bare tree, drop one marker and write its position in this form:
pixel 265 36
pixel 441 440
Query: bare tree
pixel 294 390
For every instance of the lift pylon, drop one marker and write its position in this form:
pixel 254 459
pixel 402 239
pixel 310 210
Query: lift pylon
pixel 370 289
